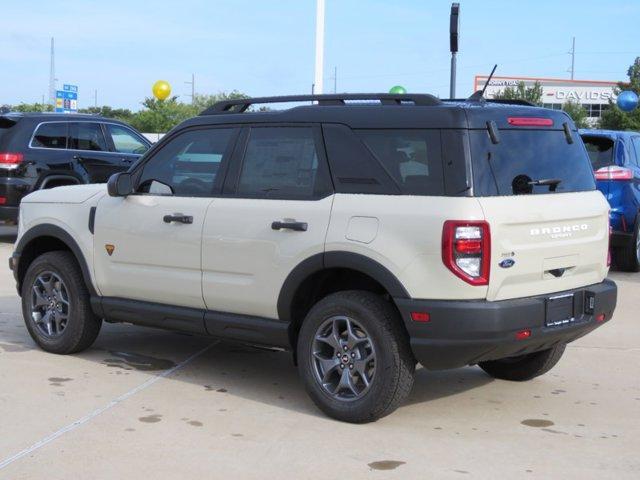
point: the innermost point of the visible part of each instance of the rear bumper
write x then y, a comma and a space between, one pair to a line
12, 189
621, 239
466, 332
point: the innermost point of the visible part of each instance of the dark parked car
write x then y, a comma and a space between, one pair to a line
46, 150
615, 157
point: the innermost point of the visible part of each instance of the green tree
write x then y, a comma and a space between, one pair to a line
521, 92
203, 101
123, 114
160, 116
577, 112
32, 107
615, 119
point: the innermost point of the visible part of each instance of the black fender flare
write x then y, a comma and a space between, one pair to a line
50, 230
336, 259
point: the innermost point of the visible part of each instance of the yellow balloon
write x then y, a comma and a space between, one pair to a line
161, 89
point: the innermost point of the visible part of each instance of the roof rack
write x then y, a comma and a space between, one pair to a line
241, 105
502, 101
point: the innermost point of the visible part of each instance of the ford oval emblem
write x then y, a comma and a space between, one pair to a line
507, 263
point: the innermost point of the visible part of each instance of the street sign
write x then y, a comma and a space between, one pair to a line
67, 99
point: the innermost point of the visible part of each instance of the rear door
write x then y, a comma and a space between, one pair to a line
274, 213
538, 194
88, 147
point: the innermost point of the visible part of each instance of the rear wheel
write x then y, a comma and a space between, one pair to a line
628, 258
524, 367
354, 358
56, 306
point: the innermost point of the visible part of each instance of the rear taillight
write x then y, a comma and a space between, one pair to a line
466, 250
9, 160
614, 172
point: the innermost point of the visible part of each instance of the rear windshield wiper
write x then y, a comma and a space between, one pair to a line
551, 182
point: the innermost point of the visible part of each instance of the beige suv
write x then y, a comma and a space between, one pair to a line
365, 233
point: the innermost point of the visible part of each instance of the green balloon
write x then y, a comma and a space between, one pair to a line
398, 89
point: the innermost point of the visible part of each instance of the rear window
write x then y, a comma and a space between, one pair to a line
411, 157
525, 158
5, 125
600, 150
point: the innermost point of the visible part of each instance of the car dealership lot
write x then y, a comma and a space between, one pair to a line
164, 405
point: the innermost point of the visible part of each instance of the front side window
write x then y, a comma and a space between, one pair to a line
279, 162
411, 157
86, 136
188, 163
50, 135
125, 141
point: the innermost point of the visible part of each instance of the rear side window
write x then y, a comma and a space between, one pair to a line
279, 162
600, 150
86, 136
636, 147
528, 161
50, 135
411, 157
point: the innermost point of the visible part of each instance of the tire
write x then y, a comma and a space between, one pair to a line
628, 258
390, 372
59, 270
524, 367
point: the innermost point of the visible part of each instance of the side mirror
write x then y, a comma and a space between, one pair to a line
120, 185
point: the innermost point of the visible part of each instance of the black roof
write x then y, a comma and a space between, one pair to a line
52, 115
377, 111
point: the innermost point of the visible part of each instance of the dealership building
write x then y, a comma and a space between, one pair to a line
593, 95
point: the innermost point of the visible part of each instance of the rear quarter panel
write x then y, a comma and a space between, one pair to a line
404, 234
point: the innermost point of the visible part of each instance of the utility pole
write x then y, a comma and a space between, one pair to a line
319, 47
335, 79
52, 76
454, 27
573, 57
95, 98
193, 87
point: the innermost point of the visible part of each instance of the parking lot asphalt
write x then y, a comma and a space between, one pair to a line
144, 403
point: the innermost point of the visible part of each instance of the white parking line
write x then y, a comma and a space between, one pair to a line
72, 426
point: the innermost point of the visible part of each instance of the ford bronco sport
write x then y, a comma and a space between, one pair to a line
365, 233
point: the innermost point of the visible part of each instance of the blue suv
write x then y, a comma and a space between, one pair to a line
615, 157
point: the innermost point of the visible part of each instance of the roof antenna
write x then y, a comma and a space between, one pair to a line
478, 96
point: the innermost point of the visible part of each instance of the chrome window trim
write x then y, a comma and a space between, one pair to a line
31, 147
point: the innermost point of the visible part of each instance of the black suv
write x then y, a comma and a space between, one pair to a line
46, 150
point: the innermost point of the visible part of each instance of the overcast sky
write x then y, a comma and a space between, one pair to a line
260, 47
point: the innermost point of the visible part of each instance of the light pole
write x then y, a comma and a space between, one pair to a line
454, 27
317, 84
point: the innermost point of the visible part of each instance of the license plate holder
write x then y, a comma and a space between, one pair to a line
559, 310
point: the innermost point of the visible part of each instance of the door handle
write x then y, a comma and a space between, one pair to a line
297, 226
178, 218
127, 160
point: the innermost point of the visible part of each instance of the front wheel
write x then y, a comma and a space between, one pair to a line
354, 357
524, 367
56, 306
